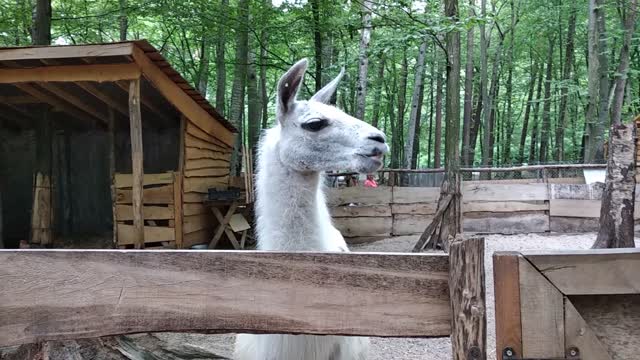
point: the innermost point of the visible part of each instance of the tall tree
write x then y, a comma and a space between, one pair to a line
564, 90
629, 22
221, 72
415, 101
527, 112
202, 79
536, 111
546, 111
402, 94
437, 142
236, 110
42, 23
508, 120
468, 92
254, 105
123, 19
484, 82
363, 63
415, 159
317, 42
377, 97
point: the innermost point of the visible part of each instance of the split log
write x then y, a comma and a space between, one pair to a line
135, 123
616, 212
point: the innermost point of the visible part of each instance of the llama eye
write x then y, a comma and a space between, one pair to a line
315, 125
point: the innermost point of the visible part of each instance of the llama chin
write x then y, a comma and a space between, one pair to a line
310, 137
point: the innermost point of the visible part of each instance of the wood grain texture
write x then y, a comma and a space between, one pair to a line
205, 163
202, 184
581, 208
414, 209
193, 197
68, 73
197, 222
156, 195
127, 234
195, 142
410, 195
410, 224
503, 206
67, 52
196, 153
614, 319
207, 172
137, 176
358, 195
468, 299
126, 180
125, 212
359, 211
195, 131
91, 293
590, 272
178, 207
506, 223
576, 191
579, 334
542, 314
573, 224
200, 237
506, 280
504, 192
363, 226
194, 209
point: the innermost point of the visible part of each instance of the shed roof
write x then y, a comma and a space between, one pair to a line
101, 62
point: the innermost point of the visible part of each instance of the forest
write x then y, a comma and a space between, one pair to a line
538, 81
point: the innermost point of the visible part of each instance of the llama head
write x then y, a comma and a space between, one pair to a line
316, 136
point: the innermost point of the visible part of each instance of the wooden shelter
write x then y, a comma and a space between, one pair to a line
107, 138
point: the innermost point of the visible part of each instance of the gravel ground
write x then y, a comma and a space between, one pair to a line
440, 349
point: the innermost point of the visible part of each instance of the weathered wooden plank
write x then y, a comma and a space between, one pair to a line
194, 164
468, 299
504, 192
127, 234
207, 172
503, 206
409, 195
542, 314
178, 208
200, 237
359, 195
581, 208
573, 225
202, 184
579, 334
360, 211
92, 293
506, 280
363, 226
66, 52
195, 142
157, 195
576, 191
193, 197
404, 224
195, 131
96, 72
194, 223
137, 176
125, 212
414, 209
506, 223
590, 272
183, 102
195, 153
195, 209
126, 180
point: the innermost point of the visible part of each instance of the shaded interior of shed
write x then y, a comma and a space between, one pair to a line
76, 116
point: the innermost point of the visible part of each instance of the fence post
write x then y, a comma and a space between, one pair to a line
467, 292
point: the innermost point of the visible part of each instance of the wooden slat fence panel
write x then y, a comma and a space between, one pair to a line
67, 294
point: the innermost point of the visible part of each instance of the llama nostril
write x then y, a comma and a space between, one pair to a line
377, 137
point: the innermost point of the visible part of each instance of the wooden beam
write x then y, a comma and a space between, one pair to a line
148, 104
466, 289
135, 124
112, 172
69, 294
76, 101
68, 73
54, 101
106, 99
590, 272
578, 333
506, 280
183, 102
66, 52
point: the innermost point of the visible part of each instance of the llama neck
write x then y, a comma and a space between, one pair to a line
290, 208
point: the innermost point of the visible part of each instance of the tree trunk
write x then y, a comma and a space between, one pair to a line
508, 120
377, 97
416, 140
475, 127
564, 91
430, 136
402, 92
363, 64
123, 20
490, 111
221, 72
317, 42
203, 69
536, 112
623, 67
468, 92
437, 143
415, 100
616, 212
42, 23
546, 111
527, 113
598, 83
264, 98
254, 104
239, 82
484, 81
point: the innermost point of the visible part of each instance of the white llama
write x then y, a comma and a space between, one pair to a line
310, 137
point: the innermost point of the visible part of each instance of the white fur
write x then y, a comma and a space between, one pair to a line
291, 211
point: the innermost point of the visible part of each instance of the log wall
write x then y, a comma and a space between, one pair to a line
365, 213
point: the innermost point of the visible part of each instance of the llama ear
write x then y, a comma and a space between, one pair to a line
289, 85
325, 94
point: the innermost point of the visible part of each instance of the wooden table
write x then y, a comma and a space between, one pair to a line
224, 226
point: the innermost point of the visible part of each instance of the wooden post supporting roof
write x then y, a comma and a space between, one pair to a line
135, 123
